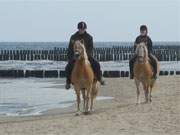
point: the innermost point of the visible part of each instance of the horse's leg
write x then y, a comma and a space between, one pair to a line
150, 96
146, 92
84, 98
137, 91
87, 99
92, 98
78, 101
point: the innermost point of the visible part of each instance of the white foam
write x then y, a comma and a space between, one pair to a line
104, 98
60, 65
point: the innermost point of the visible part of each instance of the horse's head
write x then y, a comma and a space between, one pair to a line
79, 50
142, 52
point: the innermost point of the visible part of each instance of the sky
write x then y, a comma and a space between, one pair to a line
107, 20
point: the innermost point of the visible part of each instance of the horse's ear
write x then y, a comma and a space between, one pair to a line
82, 41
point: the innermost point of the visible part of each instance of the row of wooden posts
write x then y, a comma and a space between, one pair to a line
116, 53
61, 74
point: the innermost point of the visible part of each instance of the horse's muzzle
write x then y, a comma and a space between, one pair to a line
76, 55
140, 58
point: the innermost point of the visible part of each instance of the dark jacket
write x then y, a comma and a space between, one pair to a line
145, 39
88, 42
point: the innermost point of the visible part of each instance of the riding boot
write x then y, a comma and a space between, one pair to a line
154, 76
68, 84
154, 65
154, 73
68, 70
131, 72
131, 75
131, 69
102, 82
131, 65
97, 70
100, 78
68, 80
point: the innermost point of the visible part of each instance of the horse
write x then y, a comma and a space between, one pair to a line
143, 72
83, 78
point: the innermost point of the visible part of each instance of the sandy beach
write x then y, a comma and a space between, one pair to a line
118, 116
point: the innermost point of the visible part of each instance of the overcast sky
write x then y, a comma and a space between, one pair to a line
107, 20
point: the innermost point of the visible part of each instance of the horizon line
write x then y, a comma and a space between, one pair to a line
93, 41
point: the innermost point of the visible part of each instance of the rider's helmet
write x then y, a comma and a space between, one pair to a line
82, 25
143, 28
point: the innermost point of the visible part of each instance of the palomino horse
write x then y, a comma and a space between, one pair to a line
143, 72
83, 78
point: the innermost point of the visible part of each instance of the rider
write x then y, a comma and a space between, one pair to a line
143, 37
88, 42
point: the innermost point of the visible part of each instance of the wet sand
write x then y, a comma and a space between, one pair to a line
119, 116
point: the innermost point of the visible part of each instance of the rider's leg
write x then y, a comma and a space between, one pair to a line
154, 64
68, 70
131, 65
96, 69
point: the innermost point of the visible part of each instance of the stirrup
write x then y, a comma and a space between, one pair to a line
102, 82
68, 86
154, 77
131, 76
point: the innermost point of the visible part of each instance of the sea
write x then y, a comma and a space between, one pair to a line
52, 45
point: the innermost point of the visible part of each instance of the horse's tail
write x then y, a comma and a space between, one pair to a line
95, 89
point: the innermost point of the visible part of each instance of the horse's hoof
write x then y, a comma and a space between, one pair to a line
86, 113
145, 102
138, 102
92, 110
77, 113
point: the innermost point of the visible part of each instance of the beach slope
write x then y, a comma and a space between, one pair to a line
119, 116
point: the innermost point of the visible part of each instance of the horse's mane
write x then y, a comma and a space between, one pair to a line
145, 49
81, 43
84, 51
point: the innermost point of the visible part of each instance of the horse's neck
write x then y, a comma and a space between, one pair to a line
81, 67
145, 61
82, 62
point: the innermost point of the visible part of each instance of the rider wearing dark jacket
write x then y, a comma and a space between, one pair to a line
146, 39
143, 37
81, 34
88, 42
